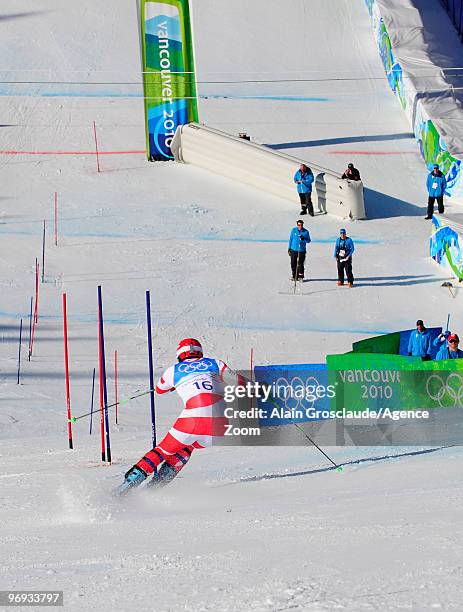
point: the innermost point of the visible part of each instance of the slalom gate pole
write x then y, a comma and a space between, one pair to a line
66, 367
19, 352
96, 148
448, 321
56, 218
43, 252
100, 379
105, 394
30, 329
115, 381
36, 307
150, 366
338, 467
91, 405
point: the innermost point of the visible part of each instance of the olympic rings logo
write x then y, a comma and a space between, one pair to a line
451, 390
298, 395
196, 366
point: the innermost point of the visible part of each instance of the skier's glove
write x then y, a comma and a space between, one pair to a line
289, 252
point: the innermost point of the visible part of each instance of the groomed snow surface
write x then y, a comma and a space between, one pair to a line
382, 535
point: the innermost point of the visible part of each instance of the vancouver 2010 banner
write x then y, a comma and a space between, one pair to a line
169, 81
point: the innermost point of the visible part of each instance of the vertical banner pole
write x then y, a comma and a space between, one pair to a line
103, 366
251, 371
30, 329
115, 381
36, 313
66, 367
91, 405
100, 378
43, 252
164, 114
150, 365
19, 353
56, 218
96, 148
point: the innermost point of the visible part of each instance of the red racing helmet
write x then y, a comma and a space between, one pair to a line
189, 348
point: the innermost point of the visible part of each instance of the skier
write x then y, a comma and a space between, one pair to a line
419, 344
298, 239
304, 179
200, 383
343, 250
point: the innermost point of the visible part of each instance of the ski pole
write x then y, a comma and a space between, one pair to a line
338, 467
448, 321
120, 402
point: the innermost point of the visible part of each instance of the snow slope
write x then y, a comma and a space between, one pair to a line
381, 535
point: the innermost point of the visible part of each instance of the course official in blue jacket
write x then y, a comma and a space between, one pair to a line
304, 179
299, 238
450, 350
343, 250
420, 342
436, 185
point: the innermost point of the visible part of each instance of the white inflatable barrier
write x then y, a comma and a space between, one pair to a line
265, 169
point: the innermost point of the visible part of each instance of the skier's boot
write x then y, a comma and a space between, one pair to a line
134, 477
165, 475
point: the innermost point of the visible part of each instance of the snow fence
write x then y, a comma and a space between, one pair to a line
265, 169
435, 113
446, 243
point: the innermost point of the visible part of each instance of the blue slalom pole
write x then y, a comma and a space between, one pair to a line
103, 373
448, 321
19, 353
150, 363
91, 406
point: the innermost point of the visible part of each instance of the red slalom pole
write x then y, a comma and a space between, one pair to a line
96, 148
66, 367
100, 374
115, 381
56, 219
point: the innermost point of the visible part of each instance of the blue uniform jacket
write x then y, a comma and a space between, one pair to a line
307, 179
298, 240
419, 344
347, 245
436, 184
446, 353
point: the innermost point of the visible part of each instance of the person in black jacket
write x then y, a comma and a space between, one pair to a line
351, 173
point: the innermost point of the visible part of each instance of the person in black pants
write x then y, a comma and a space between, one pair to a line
297, 247
343, 251
436, 185
304, 178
